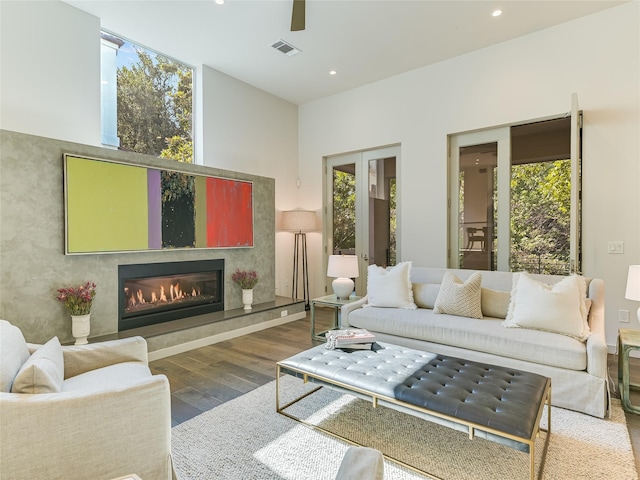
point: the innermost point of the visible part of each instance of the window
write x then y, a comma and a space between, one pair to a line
146, 101
517, 191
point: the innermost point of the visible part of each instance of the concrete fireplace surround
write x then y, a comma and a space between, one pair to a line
33, 265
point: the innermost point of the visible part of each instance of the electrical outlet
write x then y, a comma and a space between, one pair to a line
284, 313
623, 316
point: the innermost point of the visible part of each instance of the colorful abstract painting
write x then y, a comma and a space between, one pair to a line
111, 207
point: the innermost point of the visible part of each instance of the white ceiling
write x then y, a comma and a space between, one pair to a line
363, 40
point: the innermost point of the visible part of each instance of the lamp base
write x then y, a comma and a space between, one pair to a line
342, 287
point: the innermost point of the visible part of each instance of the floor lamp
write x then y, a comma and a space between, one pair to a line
299, 222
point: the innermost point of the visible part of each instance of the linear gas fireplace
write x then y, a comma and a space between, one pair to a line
151, 293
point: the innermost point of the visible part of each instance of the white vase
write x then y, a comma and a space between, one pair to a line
247, 298
80, 328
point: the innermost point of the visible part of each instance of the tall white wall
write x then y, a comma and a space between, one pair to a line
50, 87
50, 79
527, 78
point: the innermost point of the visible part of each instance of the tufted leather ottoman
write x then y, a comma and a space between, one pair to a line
488, 401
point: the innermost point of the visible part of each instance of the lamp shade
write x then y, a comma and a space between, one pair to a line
342, 266
298, 220
633, 283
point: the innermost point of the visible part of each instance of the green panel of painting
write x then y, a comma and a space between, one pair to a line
106, 206
201, 211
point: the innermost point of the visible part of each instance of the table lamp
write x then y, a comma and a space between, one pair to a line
343, 268
633, 286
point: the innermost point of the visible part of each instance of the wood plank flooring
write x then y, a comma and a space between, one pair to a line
204, 378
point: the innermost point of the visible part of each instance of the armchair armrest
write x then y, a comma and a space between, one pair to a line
84, 358
114, 432
345, 310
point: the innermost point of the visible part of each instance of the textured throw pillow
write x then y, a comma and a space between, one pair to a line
390, 287
425, 294
43, 372
558, 308
457, 298
495, 303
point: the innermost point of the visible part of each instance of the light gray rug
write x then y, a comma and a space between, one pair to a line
246, 439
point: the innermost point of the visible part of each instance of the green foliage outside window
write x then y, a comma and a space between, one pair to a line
540, 220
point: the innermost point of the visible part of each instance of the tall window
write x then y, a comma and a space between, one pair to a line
147, 101
517, 189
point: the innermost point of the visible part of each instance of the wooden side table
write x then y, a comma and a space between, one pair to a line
328, 301
627, 340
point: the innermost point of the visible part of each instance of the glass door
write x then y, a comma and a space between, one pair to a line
361, 209
479, 200
515, 197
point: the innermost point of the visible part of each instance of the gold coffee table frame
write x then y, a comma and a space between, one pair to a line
394, 403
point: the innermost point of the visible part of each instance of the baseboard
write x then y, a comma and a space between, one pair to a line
221, 337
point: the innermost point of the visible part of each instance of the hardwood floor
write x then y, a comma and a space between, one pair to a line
204, 378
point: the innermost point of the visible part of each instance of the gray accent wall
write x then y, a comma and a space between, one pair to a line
32, 260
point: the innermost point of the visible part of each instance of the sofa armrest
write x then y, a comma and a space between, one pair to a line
103, 434
596, 343
84, 358
345, 310
597, 352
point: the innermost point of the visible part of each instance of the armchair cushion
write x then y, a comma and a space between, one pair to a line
113, 377
15, 352
43, 372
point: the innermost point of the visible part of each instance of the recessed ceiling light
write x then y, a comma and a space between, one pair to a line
497, 13
332, 72
220, 2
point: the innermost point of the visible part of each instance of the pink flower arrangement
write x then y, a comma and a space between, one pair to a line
78, 300
246, 280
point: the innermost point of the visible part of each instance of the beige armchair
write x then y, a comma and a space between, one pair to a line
92, 411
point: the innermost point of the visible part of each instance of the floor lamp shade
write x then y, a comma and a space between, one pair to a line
343, 268
299, 222
633, 285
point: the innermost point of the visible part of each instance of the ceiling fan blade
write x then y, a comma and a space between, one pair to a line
298, 15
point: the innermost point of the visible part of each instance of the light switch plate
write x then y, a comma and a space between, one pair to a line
615, 246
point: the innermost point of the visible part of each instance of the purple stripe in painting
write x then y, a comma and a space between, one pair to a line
154, 190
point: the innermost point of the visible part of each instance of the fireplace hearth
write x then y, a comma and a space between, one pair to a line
152, 293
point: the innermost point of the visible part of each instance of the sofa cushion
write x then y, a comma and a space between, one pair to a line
43, 372
458, 298
495, 303
390, 287
485, 335
558, 308
425, 294
13, 353
115, 376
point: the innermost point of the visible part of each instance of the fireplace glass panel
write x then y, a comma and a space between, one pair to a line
160, 292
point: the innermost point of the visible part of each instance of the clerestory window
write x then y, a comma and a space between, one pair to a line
147, 100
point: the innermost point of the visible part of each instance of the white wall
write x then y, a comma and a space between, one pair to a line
50, 87
527, 78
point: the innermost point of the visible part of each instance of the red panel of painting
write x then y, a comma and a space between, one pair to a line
229, 213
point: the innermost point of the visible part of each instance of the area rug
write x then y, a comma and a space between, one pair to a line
246, 439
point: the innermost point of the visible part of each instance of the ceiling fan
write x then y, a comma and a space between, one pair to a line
298, 15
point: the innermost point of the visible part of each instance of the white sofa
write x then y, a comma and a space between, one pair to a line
92, 411
578, 370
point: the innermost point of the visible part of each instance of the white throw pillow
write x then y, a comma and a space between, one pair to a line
390, 287
43, 372
558, 308
457, 298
